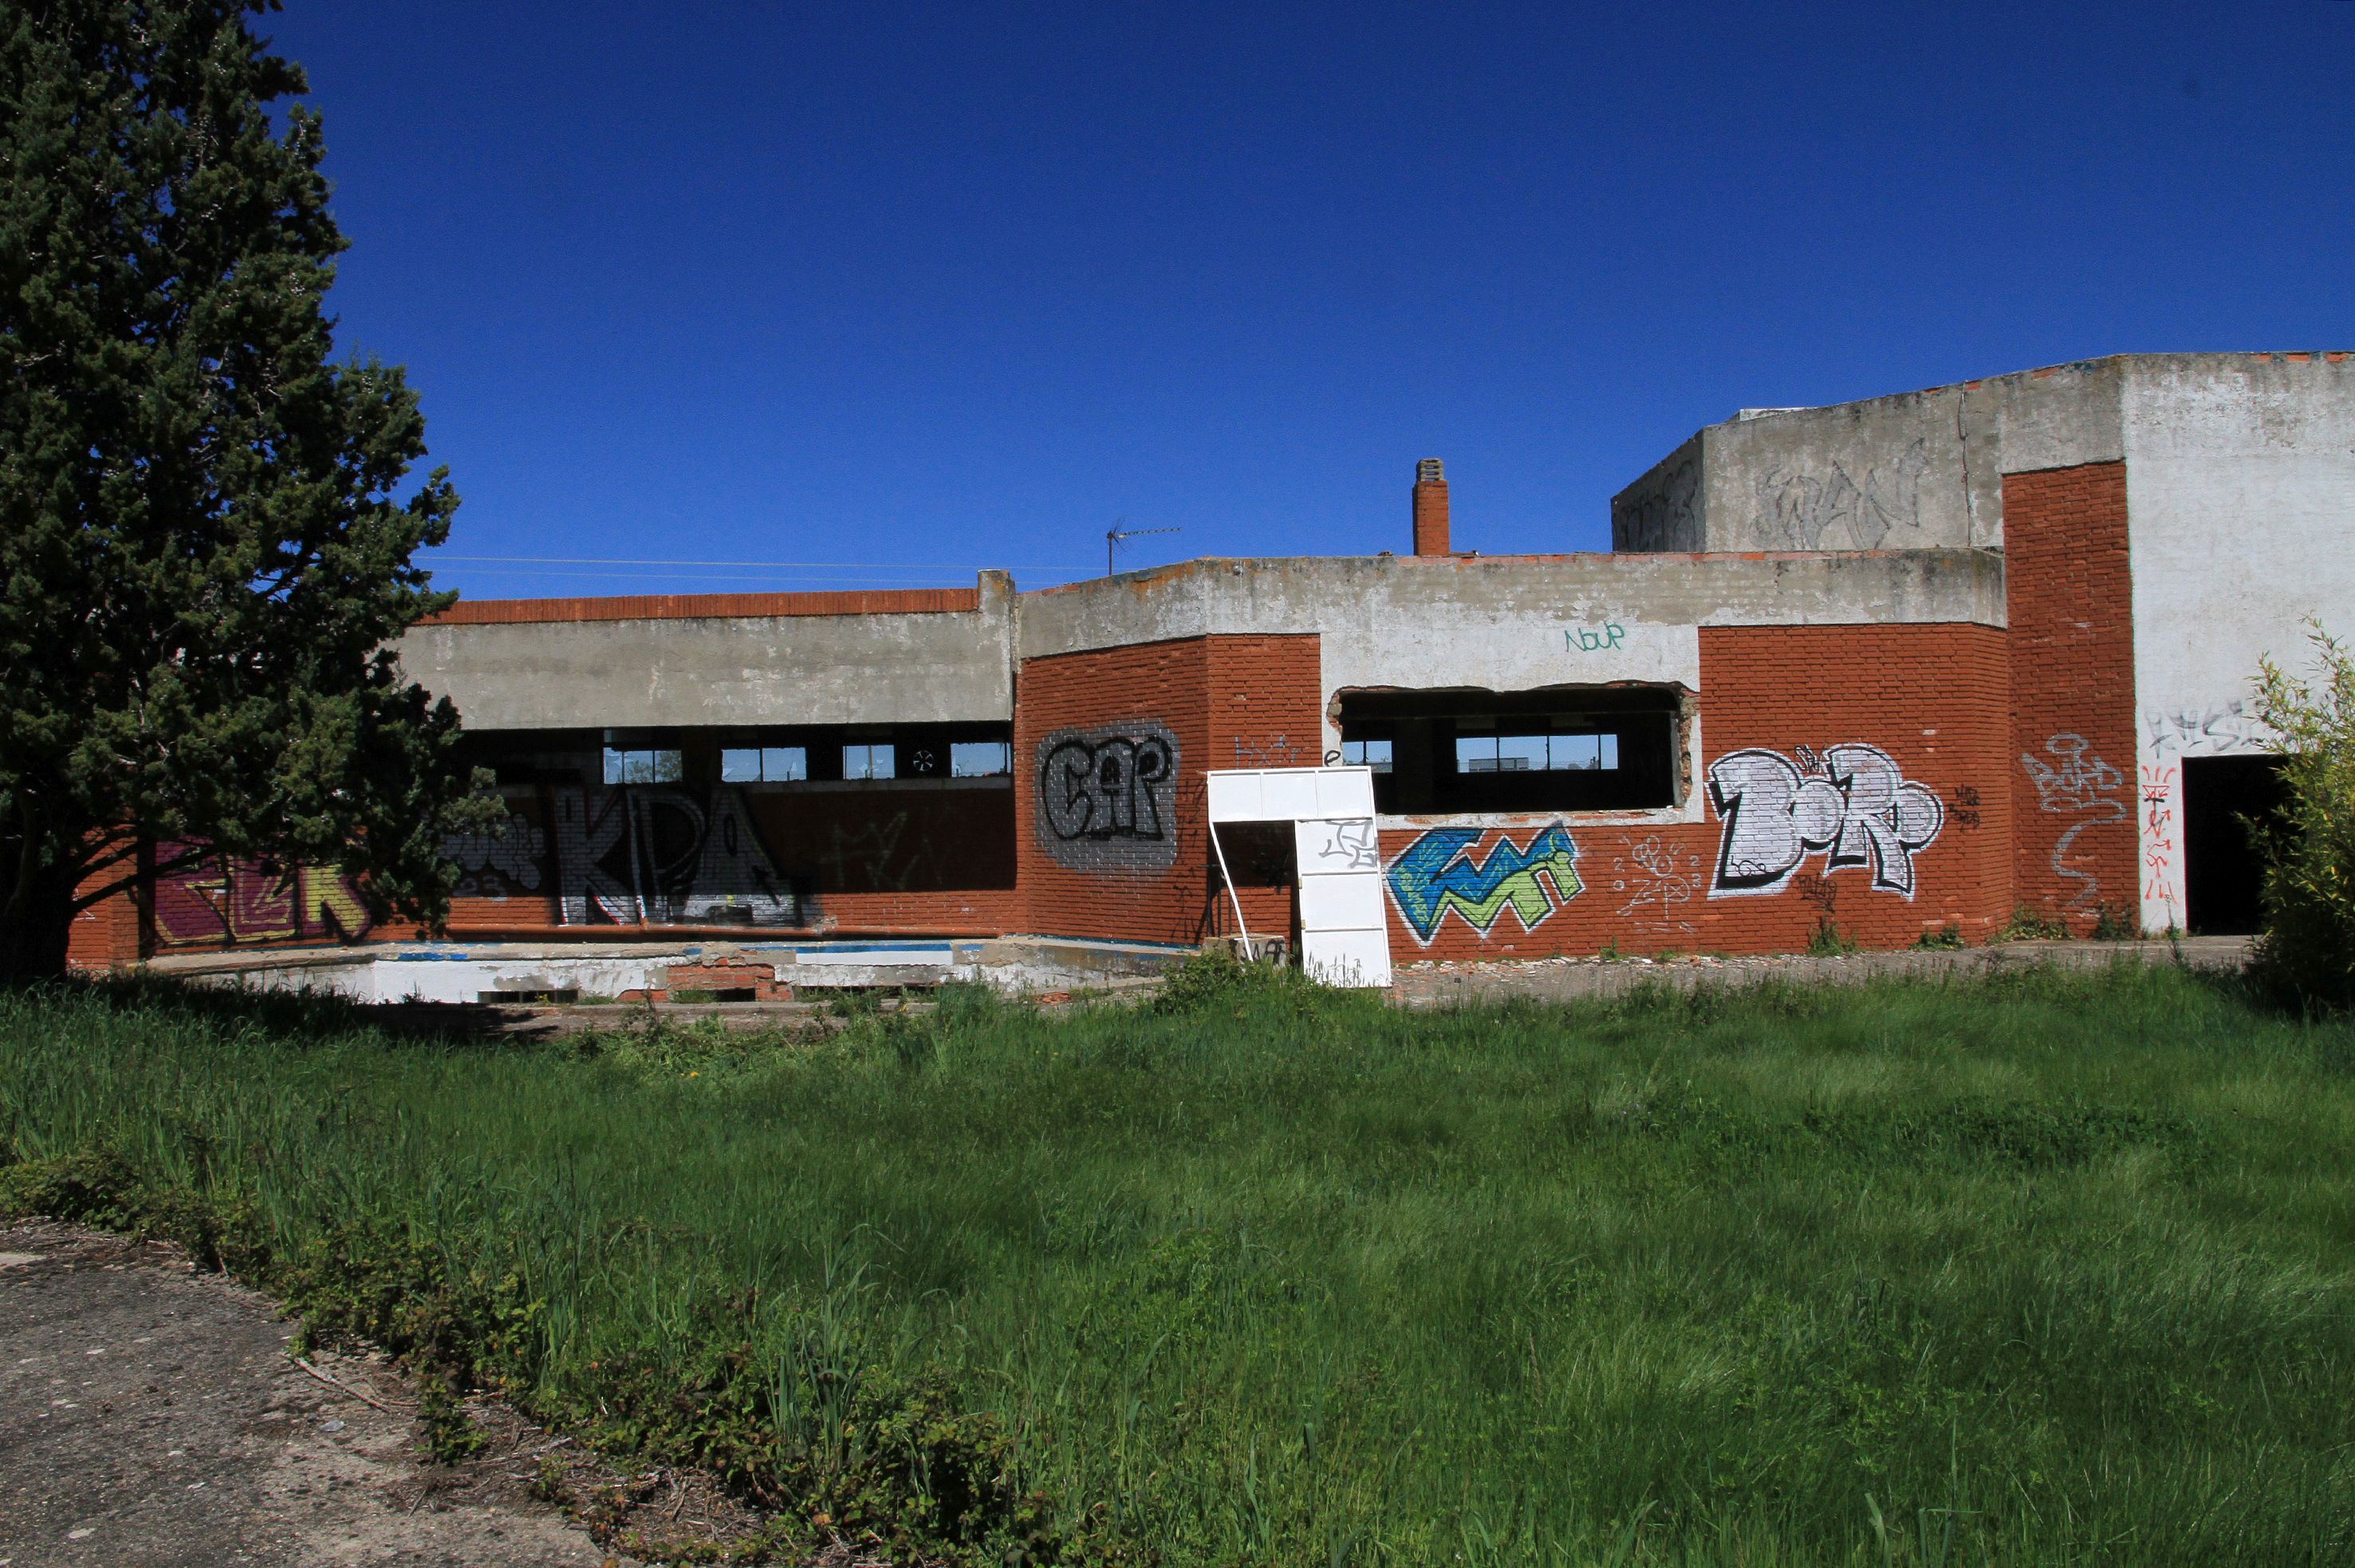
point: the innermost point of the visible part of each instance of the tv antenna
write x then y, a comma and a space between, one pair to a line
1115, 534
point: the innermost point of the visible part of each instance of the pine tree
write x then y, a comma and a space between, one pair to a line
203, 552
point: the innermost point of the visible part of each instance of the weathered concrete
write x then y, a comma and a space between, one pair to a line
894, 668
1912, 471
1511, 622
465, 973
2240, 525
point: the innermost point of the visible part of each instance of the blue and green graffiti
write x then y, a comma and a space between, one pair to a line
1436, 873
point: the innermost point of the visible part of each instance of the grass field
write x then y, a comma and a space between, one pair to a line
2042, 1270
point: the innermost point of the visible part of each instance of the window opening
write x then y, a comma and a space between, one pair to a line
1553, 749
763, 764
980, 759
655, 765
869, 760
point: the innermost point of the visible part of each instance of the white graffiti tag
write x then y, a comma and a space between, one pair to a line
2074, 781
1853, 802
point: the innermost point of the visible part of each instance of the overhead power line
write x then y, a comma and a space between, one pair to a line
710, 577
760, 565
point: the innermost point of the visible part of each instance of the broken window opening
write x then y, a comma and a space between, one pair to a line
1555, 749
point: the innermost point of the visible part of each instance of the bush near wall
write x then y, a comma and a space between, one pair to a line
2308, 950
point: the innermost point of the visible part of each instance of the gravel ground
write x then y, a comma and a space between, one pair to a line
1431, 984
150, 1414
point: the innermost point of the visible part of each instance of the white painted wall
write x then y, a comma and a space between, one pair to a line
2240, 515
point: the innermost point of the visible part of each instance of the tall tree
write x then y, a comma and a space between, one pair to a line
204, 554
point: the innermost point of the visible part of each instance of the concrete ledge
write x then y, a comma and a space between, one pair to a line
1568, 979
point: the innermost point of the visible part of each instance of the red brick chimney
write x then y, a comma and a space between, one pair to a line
1430, 508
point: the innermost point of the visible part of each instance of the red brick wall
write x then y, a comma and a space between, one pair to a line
1225, 702
2070, 606
107, 934
1933, 698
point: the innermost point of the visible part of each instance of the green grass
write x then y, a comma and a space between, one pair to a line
2043, 1269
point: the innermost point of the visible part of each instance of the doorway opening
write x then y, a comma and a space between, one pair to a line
2221, 868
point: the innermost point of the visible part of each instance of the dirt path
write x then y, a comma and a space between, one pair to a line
150, 1416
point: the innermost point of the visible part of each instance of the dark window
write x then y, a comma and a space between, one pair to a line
1573, 748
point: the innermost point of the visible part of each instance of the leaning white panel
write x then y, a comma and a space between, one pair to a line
1344, 924
1352, 958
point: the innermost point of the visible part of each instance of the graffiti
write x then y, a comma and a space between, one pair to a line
240, 901
862, 857
1279, 753
659, 855
1797, 511
2075, 781
2158, 835
2225, 728
1965, 812
1816, 891
2220, 730
1107, 797
1436, 874
1851, 804
1657, 878
1581, 641
1347, 845
499, 861
1662, 514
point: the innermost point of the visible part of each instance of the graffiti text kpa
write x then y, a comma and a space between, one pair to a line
1581, 641
1437, 873
1852, 802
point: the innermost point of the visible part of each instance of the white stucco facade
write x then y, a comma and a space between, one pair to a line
2241, 526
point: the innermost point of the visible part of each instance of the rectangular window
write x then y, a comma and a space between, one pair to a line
1521, 753
1535, 753
1560, 749
657, 766
1374, 754
763, 764
1573, 752
980, 759
867, 759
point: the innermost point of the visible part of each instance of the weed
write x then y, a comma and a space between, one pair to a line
2030, 924
551, 1481
1946, 938
2113, 923
1829, 940
450, 1437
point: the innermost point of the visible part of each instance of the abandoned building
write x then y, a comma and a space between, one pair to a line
1893, 667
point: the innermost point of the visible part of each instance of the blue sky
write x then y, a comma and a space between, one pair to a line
901, 291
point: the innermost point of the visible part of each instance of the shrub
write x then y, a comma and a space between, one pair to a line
2308, 949
2029, 925
2114, 923
1214, 977
1828, 941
